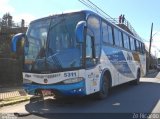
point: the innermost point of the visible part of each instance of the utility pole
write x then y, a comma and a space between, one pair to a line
150, 44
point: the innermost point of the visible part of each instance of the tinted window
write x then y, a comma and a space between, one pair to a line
120, 38
137, 46
89, 47
143, 48
94, 25
52, 44
117, 37
132, 41
126, 41
110, 34
107, 33
140, 46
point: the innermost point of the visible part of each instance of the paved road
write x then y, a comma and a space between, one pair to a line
126, 98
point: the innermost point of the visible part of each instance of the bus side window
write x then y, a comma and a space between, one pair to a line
90, 51
110, 33
117, 37
132, 43
143, 48
126, 41
120, 38
89, 48
137, 46
94, 25
107, 33
140, 47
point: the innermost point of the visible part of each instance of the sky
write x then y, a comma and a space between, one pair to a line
140, 13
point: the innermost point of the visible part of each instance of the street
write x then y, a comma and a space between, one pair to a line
126, 98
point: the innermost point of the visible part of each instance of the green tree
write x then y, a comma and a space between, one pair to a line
7, 20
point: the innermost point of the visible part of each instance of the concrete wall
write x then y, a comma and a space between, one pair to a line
10, 72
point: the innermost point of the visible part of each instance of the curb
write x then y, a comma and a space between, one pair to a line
158, 76
15, 100
156, 108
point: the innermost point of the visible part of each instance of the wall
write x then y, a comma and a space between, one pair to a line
10, 72
10, 69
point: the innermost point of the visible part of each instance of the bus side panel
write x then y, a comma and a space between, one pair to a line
93, 75
130, 68
107, 65
121, 63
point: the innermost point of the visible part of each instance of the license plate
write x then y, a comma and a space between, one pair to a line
46, 92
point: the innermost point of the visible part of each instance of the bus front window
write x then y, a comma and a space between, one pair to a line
52, 44
36, 38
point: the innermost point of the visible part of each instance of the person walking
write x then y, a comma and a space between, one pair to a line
123, 19
120, 19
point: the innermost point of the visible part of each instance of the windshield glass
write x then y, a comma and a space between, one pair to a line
51, 44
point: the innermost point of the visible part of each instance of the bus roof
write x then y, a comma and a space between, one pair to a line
88, 12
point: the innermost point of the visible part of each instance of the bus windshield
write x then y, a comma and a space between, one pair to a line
51, 44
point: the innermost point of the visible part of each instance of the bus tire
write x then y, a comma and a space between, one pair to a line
104, 88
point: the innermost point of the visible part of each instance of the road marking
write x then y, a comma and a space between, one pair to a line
116, 104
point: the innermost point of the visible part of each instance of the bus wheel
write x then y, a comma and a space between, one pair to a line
103, 93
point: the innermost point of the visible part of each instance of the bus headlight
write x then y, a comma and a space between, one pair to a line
73, 80
26, 81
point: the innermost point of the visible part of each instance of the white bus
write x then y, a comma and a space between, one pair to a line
79, 53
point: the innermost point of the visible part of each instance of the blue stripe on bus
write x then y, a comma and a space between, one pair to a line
118, 60
66, 89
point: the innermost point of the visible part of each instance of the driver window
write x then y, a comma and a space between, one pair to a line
89, 51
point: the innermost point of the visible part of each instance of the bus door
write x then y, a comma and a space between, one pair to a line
92, 67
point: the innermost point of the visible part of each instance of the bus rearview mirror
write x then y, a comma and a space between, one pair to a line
80, 31
16, 38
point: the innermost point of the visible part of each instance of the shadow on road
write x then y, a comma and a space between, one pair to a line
125, 98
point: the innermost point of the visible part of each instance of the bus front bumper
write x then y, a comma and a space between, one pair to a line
75, 89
